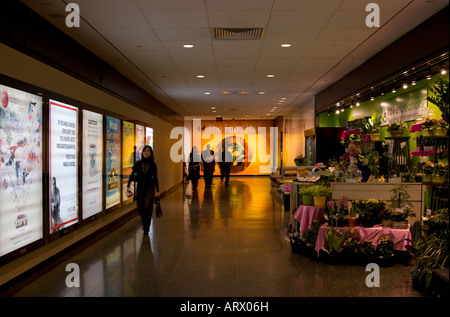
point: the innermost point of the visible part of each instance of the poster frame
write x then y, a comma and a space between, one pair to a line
30, 247
51, 236
118, 205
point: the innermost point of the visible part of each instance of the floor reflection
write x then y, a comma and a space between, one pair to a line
223, 241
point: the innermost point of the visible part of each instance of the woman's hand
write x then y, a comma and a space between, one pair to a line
157, 194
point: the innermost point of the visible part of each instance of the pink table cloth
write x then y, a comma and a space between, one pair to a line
373, 234
305, 215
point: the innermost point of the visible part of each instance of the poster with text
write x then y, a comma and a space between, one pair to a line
149, 136
92, 163
21, 205
63, 165
140, 141
113, 168
127, 161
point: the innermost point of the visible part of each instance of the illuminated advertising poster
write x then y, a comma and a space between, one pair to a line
63, 165
113, 167
140, 141
149, 136
245, 143
20, 169
127, 160
92, 163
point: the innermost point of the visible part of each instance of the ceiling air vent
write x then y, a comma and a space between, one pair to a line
238, 33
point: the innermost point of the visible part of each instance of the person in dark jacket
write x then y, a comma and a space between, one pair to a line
145, 174
194, 167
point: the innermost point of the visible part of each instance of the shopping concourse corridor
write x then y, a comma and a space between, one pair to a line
228, 241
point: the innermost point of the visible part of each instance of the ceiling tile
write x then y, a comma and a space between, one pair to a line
177, 19
299, 18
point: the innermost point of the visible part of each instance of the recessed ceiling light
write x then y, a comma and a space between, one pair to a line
270, 76
214, 111
188, 46
213, 108
261, 92
200, 76
286, 45
207, 93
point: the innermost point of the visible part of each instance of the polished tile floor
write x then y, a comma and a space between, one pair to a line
228, 241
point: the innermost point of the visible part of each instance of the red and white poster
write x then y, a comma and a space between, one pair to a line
63, 165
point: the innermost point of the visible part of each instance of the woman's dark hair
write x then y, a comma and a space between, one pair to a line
152, 157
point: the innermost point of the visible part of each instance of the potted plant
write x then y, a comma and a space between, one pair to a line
440, 173
441, 128
335, 240
320, 194
400, 217
385, 252
437, 220
396, 129
352, 217
311, 238
307, 195
375, 122
430, 252
386, 217
440, 97
335, 213
352, 251
300, 160
368, 251
428, 170
427, 126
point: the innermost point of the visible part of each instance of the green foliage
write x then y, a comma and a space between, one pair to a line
306, 190
440, 97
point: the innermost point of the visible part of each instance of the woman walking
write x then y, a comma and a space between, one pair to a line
146, 176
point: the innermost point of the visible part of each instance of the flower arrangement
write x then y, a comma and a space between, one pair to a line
370, 206
299, 160
371, 125
350, 135
441, 168
429, 123
437, 220
385, 249
428, 168
336, 212
441, 124
397, 126
386, 214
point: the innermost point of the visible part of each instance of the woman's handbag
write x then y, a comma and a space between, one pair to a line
158, 208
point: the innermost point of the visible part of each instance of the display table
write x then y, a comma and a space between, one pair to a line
373, 234
305, 215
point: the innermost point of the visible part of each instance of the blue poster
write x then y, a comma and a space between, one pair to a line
113, 156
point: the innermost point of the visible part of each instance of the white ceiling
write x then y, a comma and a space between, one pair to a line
143, 39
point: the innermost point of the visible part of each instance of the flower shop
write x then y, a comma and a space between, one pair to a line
397, 215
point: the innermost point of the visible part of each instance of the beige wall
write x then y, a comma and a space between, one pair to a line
22, 67
295, 124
